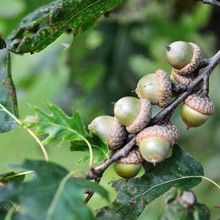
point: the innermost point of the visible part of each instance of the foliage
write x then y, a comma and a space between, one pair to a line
46, 24
123, 45
64, 193
183, 205
59, 127
7, 91
181, 170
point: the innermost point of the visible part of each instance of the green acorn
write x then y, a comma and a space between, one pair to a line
156, 87
133, 113
183, 56
196, 109
156, 141
109, 130
129, 166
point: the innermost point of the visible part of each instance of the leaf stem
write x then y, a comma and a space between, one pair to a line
90, 154
29, 131
211, 181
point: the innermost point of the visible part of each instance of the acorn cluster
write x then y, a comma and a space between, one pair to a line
132, 115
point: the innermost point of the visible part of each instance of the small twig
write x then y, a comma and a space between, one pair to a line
96, 173
211, 2
205, 86
90, 194
178, 88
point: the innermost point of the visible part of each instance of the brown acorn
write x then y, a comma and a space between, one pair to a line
109, 130
196, 109
156, 87
133, 113
156, 141
130, 165
183, 56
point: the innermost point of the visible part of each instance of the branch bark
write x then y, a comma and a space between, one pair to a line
211, 2
96, 173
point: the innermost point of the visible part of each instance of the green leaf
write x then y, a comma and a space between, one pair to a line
43, 26
183, 205
8, 178
4, 208
11, 177
7, 93
177, 171
57, 126
100, 149
53, 193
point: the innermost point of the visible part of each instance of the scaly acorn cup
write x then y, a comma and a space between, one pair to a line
129, 166
109, 130
156, 141
183, 56
196, 109
133, 113
156, 87
172, 131
180, 79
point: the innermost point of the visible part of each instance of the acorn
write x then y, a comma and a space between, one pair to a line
181, 79
183, 56
196, 109
130, 165
156, 87
156, 141
133, 113
109, 130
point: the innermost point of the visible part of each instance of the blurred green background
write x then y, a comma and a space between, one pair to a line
103, 65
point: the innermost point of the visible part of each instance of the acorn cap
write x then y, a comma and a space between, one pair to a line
142, 119
180, 79
109, 130
188, 56
201, 103
132, 112
156, 131
173, 131
117, 136
133, 157
164, 88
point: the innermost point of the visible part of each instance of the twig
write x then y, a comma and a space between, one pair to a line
205, 86
213, 62
211, 2
96, 173
91, 193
